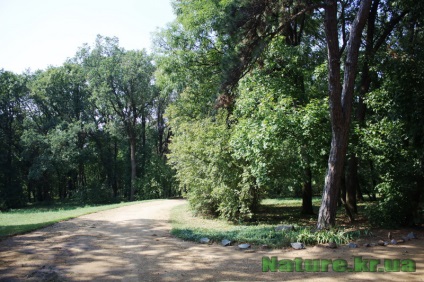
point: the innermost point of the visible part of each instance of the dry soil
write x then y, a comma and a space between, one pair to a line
133, 243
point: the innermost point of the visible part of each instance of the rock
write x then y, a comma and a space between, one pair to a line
284, 228
367, 245
265, 247
393, 242
381, 243
405, 238
297, 246
332, 245
400, 241
373, 244
412, 236
226, 242
204, 240
352, 245
244, 246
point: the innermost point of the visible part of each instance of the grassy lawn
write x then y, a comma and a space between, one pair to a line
260, 230
27, 219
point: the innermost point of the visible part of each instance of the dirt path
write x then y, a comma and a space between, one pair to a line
133, 244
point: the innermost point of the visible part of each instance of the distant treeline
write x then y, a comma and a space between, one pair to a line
91, 130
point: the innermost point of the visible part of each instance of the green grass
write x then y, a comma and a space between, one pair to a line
261, 230
20, 221
286, 210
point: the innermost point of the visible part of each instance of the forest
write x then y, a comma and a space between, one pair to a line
240, 100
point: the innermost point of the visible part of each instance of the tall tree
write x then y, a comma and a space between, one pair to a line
383, 19
56, 131
246, 29
122, 83
13, 93
341, 100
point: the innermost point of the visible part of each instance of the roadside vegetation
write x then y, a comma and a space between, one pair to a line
262, 229
18, 221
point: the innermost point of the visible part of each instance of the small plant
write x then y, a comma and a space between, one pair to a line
190, 228
308, 236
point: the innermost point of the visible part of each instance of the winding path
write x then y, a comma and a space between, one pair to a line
133, 243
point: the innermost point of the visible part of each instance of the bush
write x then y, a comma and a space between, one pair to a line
393, 208
207, 172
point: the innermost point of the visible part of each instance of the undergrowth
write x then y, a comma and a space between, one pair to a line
188, 227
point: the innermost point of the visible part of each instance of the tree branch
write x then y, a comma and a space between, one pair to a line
389, 28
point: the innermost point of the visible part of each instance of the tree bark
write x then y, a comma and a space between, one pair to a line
133, 167
307, 184
307, 207
340, 100
143, 143
352, 185
114, 173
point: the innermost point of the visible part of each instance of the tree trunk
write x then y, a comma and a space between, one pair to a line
340, 103
352, 173
143, 144
307, 184
133, 167
352, 184
342, 192
371, 46
327, 211
114, 173
307, 207
160, 128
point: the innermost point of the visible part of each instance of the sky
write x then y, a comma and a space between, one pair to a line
36, 34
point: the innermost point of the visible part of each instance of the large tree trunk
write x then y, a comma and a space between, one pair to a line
327, 211
340, 100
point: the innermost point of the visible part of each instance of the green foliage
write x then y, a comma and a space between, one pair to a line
392, 210
244, 88
393, 137
193, 229
158, 181
338, 236
259, 235
64, 131
268, 133
277, 138
205, 169
13, 93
